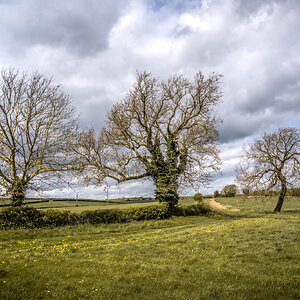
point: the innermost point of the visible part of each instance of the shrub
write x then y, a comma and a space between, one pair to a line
99, 216
198, 197
152, 212
216, 194
30, 217
295, 192
246, 191
193, 210
54, 217
14, 217
229, 190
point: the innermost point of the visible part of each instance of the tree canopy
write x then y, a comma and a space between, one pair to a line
37, 123
272, 162
163, 130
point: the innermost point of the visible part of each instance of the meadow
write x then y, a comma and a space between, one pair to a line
243, 252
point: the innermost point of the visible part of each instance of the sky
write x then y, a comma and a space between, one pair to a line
93, 49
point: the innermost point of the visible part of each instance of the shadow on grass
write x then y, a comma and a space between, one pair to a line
291, 211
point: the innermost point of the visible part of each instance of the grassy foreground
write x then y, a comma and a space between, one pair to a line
245, 254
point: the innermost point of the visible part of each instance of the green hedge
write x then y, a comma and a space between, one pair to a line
30, 217
193, 210
21, 217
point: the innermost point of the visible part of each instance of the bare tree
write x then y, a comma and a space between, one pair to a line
272, 162
36, 125
162, 130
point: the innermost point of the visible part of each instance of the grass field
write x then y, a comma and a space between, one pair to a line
87, 204
82, 204
246, 254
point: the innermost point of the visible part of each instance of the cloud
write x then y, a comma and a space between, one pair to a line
82, 27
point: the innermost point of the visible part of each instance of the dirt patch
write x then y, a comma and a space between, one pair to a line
216, 205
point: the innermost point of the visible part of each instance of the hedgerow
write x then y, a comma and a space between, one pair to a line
27, 217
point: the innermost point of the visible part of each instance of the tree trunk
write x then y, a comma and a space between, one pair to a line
166, 191
17, 194
280, 198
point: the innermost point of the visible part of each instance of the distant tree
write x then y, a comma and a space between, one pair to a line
246, 191
163, 130
36, 124
229, 190
216, 194
272, 162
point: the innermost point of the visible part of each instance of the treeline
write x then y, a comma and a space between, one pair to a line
231, 190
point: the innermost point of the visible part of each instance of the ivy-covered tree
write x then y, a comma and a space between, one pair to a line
163, 130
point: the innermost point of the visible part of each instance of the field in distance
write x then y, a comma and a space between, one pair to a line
90, 204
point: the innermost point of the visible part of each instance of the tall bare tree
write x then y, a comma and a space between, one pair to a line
272, 162
163, 130
36, 125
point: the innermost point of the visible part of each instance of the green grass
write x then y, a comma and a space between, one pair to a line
82, 204
244, 254
86, 204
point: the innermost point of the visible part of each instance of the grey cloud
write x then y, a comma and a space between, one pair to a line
247, 8
82, 27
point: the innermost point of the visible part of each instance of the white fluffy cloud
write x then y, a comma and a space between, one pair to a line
94, 48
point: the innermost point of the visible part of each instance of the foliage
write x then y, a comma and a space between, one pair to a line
106, 216
151, 212
164, 131
27, 217
246, 191
198, 197
31, 217
54, 217
229, 190
295, 192
216, 194
193, 210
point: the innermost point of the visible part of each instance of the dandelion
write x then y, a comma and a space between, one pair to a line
4, 281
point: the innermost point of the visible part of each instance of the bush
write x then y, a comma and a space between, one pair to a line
216, 194
30, 217
105, 216
27, 217
54, 217
14, 217
153, 212
295, 192
246, 191
193, 210
198, 197
229, 190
